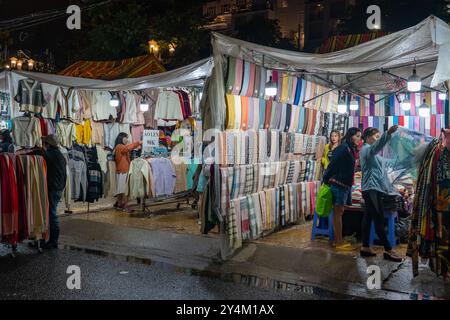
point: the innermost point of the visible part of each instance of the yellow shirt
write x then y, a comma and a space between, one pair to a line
83, 132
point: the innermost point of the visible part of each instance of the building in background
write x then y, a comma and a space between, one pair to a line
226, 16
322, 18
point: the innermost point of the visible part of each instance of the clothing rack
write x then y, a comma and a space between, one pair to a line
175, 198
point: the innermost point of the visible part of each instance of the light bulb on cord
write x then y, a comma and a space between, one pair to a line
144, 105
342, 105
354, 105
114, 102
442, 96
406, 104
414, 82
271, 88
424, 110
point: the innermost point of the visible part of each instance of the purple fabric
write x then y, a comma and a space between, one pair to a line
164, 176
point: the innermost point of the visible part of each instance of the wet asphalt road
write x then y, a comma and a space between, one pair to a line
43, 276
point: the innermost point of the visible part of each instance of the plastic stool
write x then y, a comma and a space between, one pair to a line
325, 227
391, 217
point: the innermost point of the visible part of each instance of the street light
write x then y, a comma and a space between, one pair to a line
171, 48
13, 62
19, 64
30, 64
153, 46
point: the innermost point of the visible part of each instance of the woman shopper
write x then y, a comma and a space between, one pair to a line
122, 152
339, 176
375, 185
335, 141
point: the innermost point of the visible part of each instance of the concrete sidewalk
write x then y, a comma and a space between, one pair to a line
315, 270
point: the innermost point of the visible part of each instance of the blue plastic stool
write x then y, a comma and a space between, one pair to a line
325, 227
391, 217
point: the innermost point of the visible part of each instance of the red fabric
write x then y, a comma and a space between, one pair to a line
401, 121
10, 204
44, 127
23, 222
183, 110
433, 125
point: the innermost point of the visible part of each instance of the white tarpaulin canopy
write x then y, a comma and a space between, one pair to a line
191, 75
395, 53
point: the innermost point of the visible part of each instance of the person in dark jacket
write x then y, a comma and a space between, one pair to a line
6, 143
56, 182
339, 175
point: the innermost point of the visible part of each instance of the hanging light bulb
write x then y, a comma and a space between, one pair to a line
424, 110
114, 102
271, 88
414, 82
442, 96
144, 105
406, 104
354, 104
342, 105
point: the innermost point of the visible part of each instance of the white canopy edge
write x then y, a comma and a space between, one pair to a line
396, 52
187, 76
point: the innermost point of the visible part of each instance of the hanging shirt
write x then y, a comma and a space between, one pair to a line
50, 97
164, 176
168, 106
130, 116
30, 96
101, 109
66, 132
26, 132
70, 104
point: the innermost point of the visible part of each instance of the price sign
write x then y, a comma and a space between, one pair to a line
151, 140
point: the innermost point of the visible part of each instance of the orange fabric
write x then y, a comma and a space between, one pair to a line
122, 156
244, 113
118, 69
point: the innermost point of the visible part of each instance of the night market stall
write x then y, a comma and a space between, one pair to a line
275, 108
87, 115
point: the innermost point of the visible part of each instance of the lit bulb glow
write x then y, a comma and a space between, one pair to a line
354, 105
424, 112
442, 96
143, 106
271, 91
114, 102
342, 108
406, 105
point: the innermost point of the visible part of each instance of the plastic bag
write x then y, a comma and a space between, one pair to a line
324, 201
404, 152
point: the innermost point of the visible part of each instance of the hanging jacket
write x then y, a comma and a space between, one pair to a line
342, 166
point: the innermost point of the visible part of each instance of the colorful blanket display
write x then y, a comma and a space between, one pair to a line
24, 206
269, 156
293, 109
374, 111
430, 226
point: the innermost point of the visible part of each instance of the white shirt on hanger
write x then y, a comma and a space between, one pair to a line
101, 110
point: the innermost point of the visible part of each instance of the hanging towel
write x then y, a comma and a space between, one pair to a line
231, 75
251, 82
244, 113
239, 76
257, 83
246, 79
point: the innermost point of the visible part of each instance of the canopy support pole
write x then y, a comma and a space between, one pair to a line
336, 87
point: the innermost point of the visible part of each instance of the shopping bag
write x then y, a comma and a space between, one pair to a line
324, 201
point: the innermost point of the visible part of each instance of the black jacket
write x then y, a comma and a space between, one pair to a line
342, 166
56, 169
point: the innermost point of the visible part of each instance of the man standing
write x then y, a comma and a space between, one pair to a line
56, 182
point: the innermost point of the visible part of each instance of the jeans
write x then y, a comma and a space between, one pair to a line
53, 198
374, 210
341, 195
